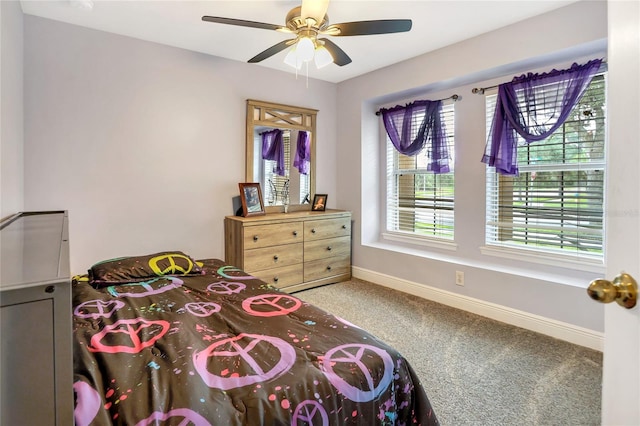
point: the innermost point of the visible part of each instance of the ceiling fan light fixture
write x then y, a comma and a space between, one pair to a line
292, 59
322, 57
305, 49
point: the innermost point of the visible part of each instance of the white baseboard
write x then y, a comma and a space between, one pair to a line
557, 329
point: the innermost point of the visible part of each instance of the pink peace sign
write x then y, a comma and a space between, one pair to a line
353, 355
224, 287
178, 416
128, 336
308, 411
271, 305
97, 308
202, 309
239, 351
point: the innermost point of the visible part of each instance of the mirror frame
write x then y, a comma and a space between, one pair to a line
280, 116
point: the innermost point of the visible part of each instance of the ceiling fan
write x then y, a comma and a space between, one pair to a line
309, 21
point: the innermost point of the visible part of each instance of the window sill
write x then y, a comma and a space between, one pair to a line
549, 259
420, 241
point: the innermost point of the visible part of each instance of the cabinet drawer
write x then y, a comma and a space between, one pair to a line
317, 269
331, 247
327, 228
281, 277
272, 235
272, 257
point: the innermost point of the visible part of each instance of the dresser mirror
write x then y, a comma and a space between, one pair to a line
281, 142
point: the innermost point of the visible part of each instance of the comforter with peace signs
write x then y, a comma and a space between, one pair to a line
224, 348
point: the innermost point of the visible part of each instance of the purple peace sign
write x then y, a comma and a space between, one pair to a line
353, 354
224, 287
88, 402
238, 351
202, 309
308, 411
179, 416
271, 305
97, 308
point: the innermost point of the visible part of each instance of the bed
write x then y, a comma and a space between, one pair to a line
164, 339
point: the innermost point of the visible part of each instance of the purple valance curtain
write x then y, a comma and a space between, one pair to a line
533, 106
410, 127
303, 155
273, 149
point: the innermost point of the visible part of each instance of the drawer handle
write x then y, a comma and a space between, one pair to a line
344, 226
275, 279
328, 268
313, 231
255, 238
295, 233
275, 257
50, 289
329, 248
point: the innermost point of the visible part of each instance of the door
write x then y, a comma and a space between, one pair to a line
621, 372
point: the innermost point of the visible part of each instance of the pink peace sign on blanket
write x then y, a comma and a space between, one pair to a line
97, 308
128, 336
310, 412
244, 353
224, 287
202, 309
178, 416
350, 358
271, 305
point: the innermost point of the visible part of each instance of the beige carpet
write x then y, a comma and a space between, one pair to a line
476, 371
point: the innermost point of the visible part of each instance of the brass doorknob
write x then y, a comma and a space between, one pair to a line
623, 289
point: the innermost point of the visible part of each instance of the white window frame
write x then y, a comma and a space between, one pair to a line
555, 257
391, 155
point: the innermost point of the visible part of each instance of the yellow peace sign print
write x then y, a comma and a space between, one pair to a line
171, 264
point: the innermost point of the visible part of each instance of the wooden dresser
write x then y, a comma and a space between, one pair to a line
292, 251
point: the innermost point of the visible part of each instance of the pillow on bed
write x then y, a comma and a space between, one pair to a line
142, 268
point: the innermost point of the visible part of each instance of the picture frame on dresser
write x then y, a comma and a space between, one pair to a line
319, 203
251, 198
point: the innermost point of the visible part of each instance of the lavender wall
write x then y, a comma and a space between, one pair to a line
545, 290
11, 109
144, 144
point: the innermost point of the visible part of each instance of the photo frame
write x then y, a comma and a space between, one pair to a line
319, 203
251, 198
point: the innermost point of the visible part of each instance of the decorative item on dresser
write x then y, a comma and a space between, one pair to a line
35, 320
292, 251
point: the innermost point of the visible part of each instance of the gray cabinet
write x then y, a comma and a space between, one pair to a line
36, 356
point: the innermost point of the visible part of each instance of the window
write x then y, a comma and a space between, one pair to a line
420, 202
277, 185
555, 205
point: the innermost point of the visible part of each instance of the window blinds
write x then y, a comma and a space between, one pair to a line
421, 202
556, 202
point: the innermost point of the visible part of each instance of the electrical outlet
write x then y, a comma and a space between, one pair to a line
459, 278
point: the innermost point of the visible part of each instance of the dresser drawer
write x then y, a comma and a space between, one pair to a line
272, 257
272, 235
317, 269
281, 277
331, 247
327, 228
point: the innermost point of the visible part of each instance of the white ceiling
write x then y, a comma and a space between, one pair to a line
178, 23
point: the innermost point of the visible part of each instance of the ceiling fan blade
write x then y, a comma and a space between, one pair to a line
243, 23
383, 26
339, 56
276, 48
316, 9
